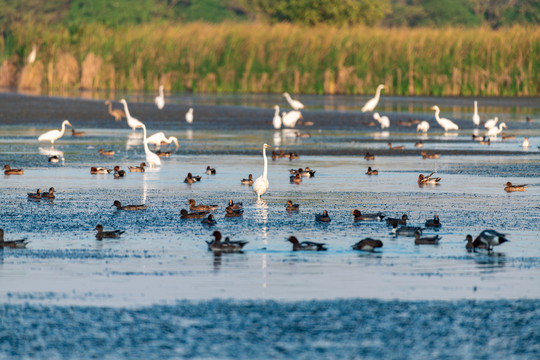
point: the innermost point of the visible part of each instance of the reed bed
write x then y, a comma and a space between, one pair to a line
263, 58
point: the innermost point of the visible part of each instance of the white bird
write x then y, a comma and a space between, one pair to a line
372, 103
526, 142
131, 121
423, 127
159, 138
383, 120
276, 121
189, 116
260, 185
476, 117
33, 53
295, 104
160, 99
491, 123
54, 135
494, 131
152, 159
289, 119
446, 124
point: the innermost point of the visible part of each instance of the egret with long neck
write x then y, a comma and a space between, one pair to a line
160, 99
372, 103
261, 183
151, 159
446, 124
276, 121
131, 121
476, 117
54, 135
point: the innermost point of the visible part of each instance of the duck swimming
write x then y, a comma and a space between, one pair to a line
489, 238
401, 147
210, 171
511, 188
394, 222
35, 196
107, 234
248, 181
77, 133
323, 217
291, 207
12, 243
470, 246
49, 194
99, 170
230, 212
427, 240
209, 220
139, 168
106, 152
435, 222
367, 244
192, 215
306, 245
118, 173
54, 159
358, 216
206, 208
9, 171
190, 179
424, 180
370, 171
295, 179
407, 230
369, 156
235, 206
307, 172
425, 155
128, 207
226, 246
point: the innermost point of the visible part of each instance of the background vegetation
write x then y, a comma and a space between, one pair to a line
338, 46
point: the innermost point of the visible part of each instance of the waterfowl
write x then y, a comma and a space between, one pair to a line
370, 171
491, 123
302, 135
510, 187
401, 147
189, 116
369, 156
248, 181
490, 238
139, 168
210, 171
295, 104
261, 184
369, 123
485, 142
128, 207
77, 133
395, 222
446, 124
152, 159
99, 170
190, 179
323, 217
118, 173
306, 245
470, 246
54, 135
425, 155
163, 153
478, 137
358, 216
494, 131
276, 120
291, 118
54, 159
423, 127
117, 113
435, 222
292, 156
372, 103
295, 179
35, 196
291, 207
231, 212
209, 220
408, 122
12, 243
423, 180
206, 208
106, 152
384, 121
367, 244
226, 246
407, 230
131, 121
476, 117
526, 142
235, 206
159, 139
9, 171
192, 215
426, 240
49, 194
505, 136
419, 144
160, 99
107, 234
307, 172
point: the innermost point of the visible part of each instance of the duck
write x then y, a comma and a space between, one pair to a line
490, 238
77, 133
190, 179
49, 194
358, 216
485, 141
128, 207
369, 156
470, 246
106, 152
292, 156
9, 171
435, 222
99, 170
367, 244
419, 144
226, 246
117, 113
119, 173
54, 159
248, 181
510, 187
295, 179
306, 245
209, 220
12, 243
210, 171
302, 135
401, 147
139, 168
395, 222
307, 172
407, 230
206, 208
192, 215
478, 137
160, 153
526, 142
423, 180
34, 196
323, 217
107, 234
505, 136
292, 207
425, 155
370, 171
426, 240
230, 212
235, 206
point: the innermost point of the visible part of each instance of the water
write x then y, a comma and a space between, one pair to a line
268, 301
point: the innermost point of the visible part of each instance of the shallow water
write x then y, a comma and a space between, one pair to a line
162, 259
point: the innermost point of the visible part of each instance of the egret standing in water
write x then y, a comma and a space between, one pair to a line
446, 124
260, 185
295, 104
276, 121
423, 127
476, 117
54, 135
131, 121
189, 116
291, 118
159, 138
383, 120
372, 103
160, 99
152, 159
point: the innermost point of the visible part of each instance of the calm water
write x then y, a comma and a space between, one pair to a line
268, 301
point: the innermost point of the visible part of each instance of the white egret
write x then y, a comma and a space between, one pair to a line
189, 116
383, 120
276, 121
131, 121
260, 185
295, 104
476, 117
446, 124
159, 138
491, 123
160, 99
54, 135
494, 131
152, 159
423, 127
372, 103
289, 119
33, 53
525, 143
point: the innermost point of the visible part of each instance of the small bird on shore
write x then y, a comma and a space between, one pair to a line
206, 208
323, 217
226, 246
306, 245
128, 207
370, 171
12, 243
292, 207
489, 238
107, 234
248, 181
424, 180
210, 171
509, 187
358, 216
9, 171
139, 168
426, 240
395, 222
209, 220
367, 244
184, 214
435, 222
